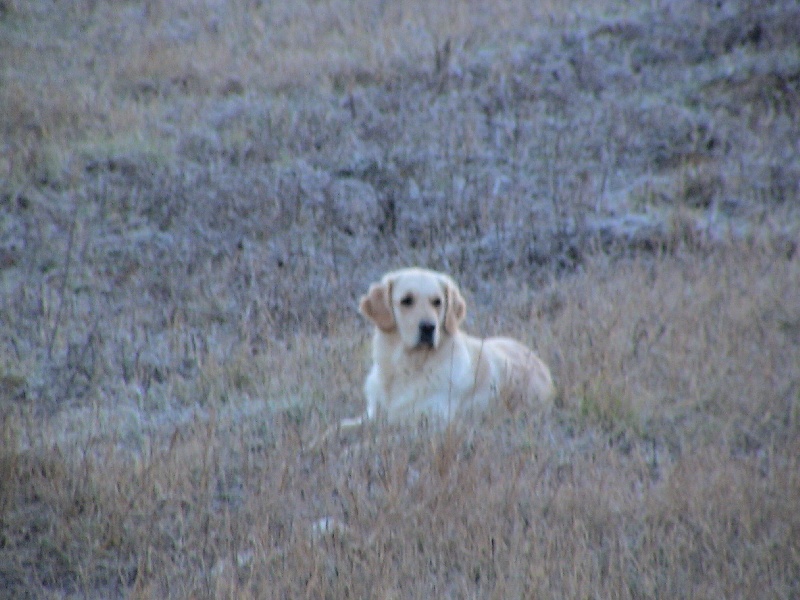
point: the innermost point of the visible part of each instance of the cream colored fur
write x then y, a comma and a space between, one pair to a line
423, 364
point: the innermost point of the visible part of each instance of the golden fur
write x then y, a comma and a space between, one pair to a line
423, 364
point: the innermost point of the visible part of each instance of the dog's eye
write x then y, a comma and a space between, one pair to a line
437, 302
407, 301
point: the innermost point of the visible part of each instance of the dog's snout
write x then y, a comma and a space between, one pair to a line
426, 333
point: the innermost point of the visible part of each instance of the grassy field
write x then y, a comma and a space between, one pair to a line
194, 194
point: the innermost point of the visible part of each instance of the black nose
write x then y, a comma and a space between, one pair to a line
426, 331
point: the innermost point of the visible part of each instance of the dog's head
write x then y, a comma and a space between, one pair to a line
419, 305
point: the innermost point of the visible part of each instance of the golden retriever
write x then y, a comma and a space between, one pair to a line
424, 365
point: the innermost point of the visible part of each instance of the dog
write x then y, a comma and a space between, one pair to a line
424, 365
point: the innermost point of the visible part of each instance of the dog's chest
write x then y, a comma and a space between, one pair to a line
432, 383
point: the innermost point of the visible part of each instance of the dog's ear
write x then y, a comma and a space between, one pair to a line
376, 305
455, 308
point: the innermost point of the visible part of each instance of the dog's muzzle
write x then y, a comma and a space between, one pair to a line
427, 332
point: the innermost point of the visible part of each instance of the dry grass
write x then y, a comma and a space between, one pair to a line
671, 468
194, 194
141, 64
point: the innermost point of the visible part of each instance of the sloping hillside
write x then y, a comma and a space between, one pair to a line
194, 194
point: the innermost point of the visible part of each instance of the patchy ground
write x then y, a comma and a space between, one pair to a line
193, 195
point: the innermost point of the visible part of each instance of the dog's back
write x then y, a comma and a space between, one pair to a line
522, 376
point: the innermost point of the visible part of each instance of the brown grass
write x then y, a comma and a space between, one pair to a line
671, 468
135, 60
194, 194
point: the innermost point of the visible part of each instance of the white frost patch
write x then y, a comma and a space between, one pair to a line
328, 526
130, 428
